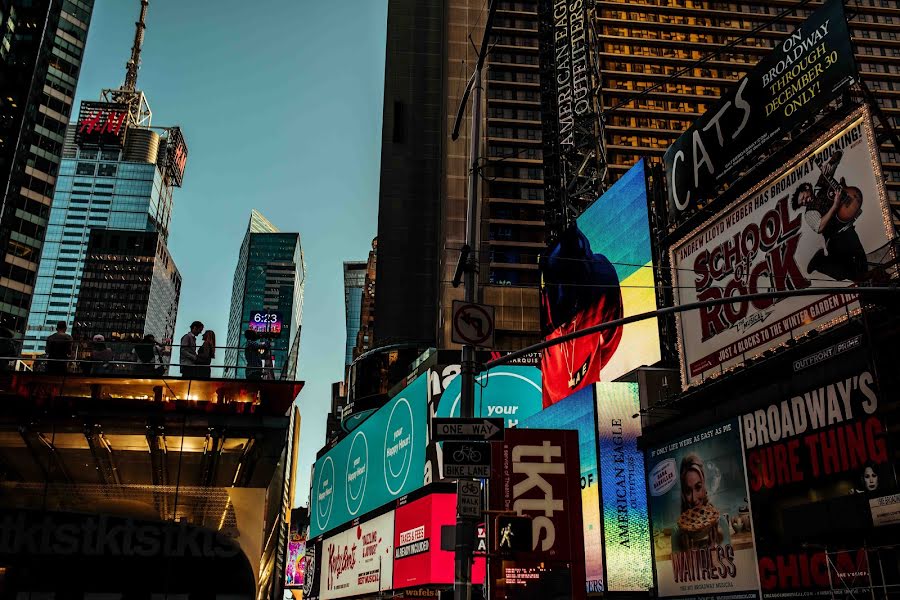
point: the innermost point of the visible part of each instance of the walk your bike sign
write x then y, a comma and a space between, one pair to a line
467, 459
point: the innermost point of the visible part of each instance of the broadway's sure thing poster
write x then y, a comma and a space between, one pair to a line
810, 68
816, 456
700, 515
821, 222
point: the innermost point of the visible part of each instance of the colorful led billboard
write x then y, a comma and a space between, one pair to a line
577, 412
701, 516
510, 392
821, 221
381, 460
266, 322
296, 561
101, 123
625, 523
359, 560
601, 270
418, 557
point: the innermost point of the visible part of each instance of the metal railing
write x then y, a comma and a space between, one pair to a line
141, 359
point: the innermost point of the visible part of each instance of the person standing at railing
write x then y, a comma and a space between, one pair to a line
254, 355
205, 354
188, 358
58, 350
101, 356
149, 355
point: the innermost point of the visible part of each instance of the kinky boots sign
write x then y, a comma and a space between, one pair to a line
536, 474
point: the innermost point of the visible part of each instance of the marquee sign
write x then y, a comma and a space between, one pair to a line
101, 124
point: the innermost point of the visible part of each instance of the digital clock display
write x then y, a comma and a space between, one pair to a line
266, 322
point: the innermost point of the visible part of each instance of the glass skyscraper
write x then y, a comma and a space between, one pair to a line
124, 188
270, 276
41, 47
354, 280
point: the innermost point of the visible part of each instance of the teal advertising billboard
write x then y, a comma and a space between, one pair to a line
511, 392
382, 459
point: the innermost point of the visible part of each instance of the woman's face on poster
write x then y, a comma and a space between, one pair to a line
694, 489
870, 479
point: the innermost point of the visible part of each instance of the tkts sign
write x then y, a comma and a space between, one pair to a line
101, 124
538, 471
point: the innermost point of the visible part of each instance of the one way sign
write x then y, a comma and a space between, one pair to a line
487, 430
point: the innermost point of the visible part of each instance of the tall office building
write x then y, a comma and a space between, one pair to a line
422, 207
642, 42
354, 282
118, 173
365, 336
41, 49
269, 278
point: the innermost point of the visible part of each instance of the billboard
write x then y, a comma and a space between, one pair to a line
535, 474
816, 458
418, 557
381, 460
626, 527
312, 570
359, 560
809, 69
818, 222
511, 392
601, 270
577, 412
701, 517
266, 322
296, 560
176, 155
101, 124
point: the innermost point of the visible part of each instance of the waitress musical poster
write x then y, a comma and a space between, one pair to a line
601, 270
700, 516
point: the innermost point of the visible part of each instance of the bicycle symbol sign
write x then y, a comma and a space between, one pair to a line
467, 459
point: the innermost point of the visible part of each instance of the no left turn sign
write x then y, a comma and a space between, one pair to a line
473, 324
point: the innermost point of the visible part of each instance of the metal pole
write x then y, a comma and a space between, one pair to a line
462, 588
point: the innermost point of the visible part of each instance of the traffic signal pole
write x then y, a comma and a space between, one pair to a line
465, 538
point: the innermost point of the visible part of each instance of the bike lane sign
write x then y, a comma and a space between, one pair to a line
467, 460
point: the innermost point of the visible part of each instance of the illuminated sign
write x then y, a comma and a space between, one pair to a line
577, 412
811, 67
626, 527
783, 235
601, 270
176, 155
701, 517
418, 557
101, 123
381, 460
360, 560
510, 392
267, 322
296, 561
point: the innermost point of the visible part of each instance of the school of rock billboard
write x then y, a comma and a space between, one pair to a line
601, 270
821, 221
816, 455
809, 69
536, 474
359, 560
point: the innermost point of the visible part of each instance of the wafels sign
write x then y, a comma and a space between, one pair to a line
820, 222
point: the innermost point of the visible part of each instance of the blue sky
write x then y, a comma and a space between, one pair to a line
280, 102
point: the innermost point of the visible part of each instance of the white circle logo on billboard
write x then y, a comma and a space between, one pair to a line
325, 493
357, 472
398, 446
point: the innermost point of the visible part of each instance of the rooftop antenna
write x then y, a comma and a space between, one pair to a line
128, 94
134, 63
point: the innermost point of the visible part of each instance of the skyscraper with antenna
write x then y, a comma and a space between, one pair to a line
105, 267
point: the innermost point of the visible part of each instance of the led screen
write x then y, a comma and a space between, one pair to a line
625, 523
359, 560
601, 270
296, 562
510, 392
266, 321
577, 412
382, 459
